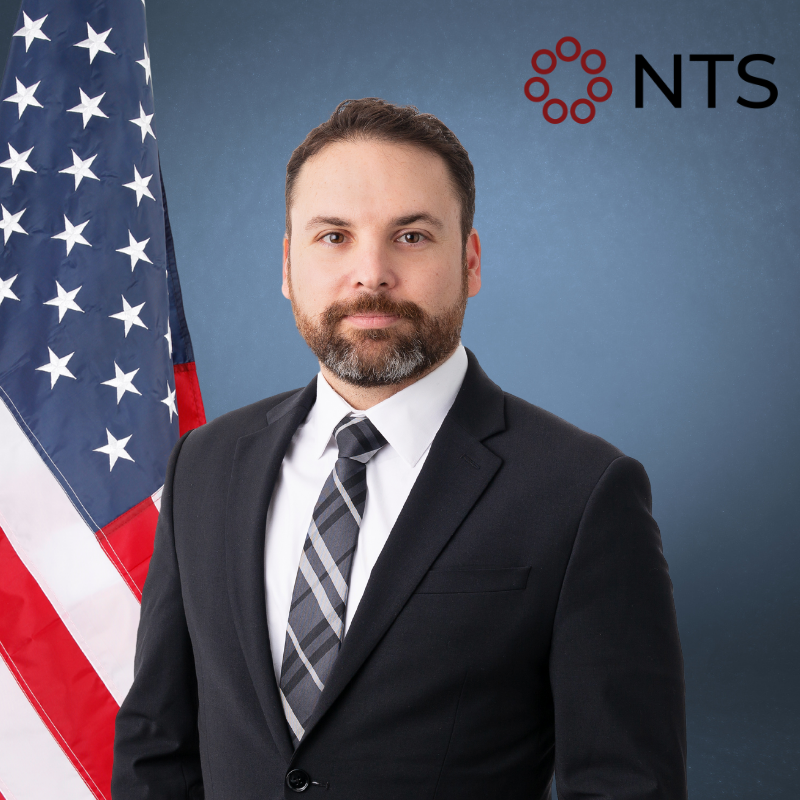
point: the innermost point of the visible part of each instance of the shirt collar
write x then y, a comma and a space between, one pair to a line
408, 420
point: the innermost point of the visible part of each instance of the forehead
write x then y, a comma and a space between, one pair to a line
369, 178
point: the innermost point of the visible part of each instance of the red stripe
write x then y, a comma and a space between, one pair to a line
128, 542
191, 413
54, 674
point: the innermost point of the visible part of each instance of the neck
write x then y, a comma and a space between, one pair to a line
363, 397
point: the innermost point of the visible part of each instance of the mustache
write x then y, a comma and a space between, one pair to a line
371, 303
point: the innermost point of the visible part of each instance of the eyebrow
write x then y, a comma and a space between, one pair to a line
409, 219
336, 222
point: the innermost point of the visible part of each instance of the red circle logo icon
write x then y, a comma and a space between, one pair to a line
596, 69
540, 83
590, 89
535, 61
555, 102
545, 90
573, 111
571, 40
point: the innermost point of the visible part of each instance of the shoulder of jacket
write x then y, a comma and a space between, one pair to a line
530, 422
237, 423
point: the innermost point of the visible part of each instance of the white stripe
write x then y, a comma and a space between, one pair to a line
327, 560
364, 457
311, 671
346, 497
352, 421
32, 764
291, 718
334, 620
6, 792
62, 553
156, 497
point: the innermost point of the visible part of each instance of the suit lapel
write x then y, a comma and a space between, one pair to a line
456, 472
255, 469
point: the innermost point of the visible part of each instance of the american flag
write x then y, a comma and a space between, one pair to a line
97, 381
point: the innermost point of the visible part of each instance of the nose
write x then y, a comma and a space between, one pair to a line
372, 268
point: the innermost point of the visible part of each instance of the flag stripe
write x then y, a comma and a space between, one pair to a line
130, 538
63, 554
32, 764
191, 413
53, 672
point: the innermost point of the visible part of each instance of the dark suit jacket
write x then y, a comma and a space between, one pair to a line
520, 616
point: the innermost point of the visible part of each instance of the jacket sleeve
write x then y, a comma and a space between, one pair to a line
156, 751
616, 666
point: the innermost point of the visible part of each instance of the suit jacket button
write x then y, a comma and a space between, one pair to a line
298, 780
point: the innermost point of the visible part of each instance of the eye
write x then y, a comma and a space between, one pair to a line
412, 237
333, 238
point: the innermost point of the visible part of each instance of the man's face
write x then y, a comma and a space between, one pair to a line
375, 268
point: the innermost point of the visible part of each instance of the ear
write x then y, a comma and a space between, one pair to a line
473, 263
285, 283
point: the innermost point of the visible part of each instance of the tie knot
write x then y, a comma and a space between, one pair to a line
358, 438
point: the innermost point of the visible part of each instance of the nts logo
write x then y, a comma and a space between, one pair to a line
556, 111
545, 86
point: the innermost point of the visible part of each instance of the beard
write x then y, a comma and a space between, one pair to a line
370, 357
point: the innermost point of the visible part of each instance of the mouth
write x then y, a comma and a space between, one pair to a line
372, 320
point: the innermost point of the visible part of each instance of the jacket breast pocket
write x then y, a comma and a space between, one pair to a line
474, 579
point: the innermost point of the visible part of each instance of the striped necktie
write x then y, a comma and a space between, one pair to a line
316, 618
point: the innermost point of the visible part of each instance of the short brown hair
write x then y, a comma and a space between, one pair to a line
373, 118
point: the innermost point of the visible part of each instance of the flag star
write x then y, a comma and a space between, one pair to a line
139, 186
72, 234
17, 162
129, 315
24, 97
95, 43
115, 449
5, 289
10, 223
80, 169
32, 29
64, 301
145, 62
89, 107
143, 121
135, 250
169, 402
168, 337
57, 367
123, 382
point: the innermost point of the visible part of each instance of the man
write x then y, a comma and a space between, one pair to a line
399, 582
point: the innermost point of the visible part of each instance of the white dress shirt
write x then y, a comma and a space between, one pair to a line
408, 421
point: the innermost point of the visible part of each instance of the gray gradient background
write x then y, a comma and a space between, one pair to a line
640, 273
